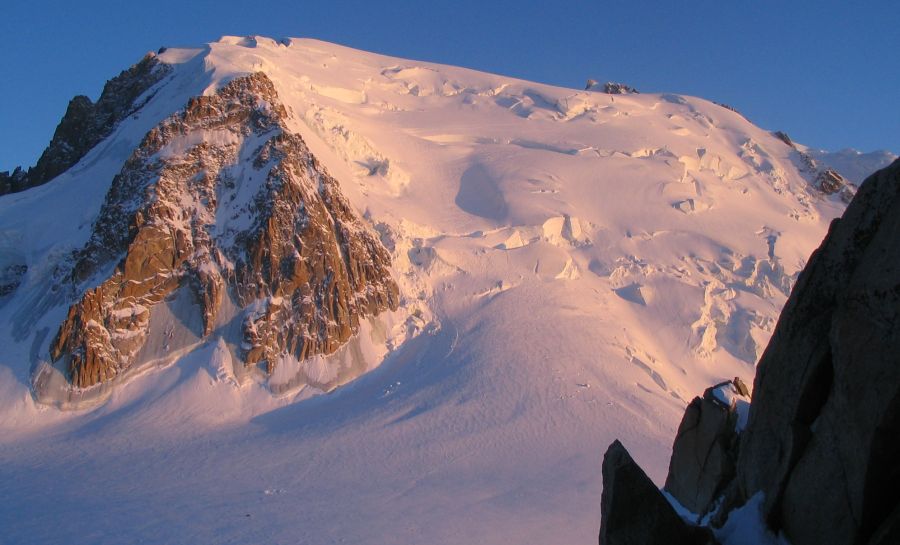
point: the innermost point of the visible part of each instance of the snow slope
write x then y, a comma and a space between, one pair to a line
581, 266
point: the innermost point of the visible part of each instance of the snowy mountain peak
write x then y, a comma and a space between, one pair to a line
219, 200
567, 267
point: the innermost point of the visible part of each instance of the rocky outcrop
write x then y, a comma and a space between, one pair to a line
826, 180
853, 165
823, 434
704, 456
783, 136
634, 512
822, 439
829, 181
86, 123
610, 88
220, 199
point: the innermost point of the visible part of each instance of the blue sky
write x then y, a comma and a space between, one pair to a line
827, 72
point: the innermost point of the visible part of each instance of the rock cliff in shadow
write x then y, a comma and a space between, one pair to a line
822, 440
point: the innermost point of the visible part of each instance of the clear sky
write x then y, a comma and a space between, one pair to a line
826, 71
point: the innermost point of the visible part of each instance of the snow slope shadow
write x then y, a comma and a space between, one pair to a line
478, 194
408, 371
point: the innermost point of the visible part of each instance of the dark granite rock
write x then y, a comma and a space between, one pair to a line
705, 451
889, 531
741, 388
823, 437
634, 512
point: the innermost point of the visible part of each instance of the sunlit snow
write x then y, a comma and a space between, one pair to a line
581, 265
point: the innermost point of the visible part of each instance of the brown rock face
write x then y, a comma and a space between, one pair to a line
85, 124
316, 286
253, 217
829, 182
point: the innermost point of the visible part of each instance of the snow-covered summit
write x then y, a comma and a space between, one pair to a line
574, 267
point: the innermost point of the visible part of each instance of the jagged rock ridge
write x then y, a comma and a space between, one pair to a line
222, 200
86, 123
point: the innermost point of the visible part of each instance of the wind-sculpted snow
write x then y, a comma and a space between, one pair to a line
570, 267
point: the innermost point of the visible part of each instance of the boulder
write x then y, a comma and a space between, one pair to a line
704, 455
741, 388
634, 512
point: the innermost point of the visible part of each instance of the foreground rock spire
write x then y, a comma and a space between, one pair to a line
221, 201
819, 453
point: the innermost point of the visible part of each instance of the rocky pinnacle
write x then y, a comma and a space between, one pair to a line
220, 199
